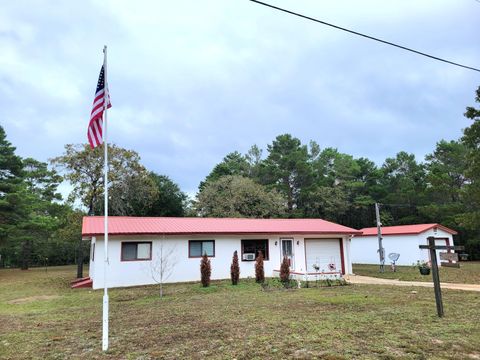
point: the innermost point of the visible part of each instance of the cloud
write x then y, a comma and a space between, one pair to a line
191, 81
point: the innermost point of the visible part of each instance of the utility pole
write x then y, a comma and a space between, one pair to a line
381, 250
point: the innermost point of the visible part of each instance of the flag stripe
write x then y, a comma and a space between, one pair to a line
95, 126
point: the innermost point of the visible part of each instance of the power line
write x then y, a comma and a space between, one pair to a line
365, 36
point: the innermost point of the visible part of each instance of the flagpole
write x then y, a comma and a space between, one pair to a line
105, 173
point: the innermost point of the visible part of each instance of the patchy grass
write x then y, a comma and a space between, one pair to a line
226, 322
468, 273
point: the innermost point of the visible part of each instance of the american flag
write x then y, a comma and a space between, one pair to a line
96, 116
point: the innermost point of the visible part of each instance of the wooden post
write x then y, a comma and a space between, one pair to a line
435, 275
381, 250
436, 278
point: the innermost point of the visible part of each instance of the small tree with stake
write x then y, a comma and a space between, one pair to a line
161, 267
235, 269
259, 271
205, 270
285, 271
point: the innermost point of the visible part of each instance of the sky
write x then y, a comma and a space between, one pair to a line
191, 81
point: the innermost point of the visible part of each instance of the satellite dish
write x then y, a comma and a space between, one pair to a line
393, 256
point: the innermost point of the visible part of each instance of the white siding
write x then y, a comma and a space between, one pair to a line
130, 273
364, 248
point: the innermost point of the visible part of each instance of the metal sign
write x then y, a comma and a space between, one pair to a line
450, 264
446, 256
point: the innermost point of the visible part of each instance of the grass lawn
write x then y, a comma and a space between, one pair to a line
41, 317
468, 273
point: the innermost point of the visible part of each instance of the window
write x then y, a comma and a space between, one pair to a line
196, 248
132, 251
93, 252
254, 247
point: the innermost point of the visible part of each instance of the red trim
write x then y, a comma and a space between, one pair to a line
342, 259
198, 257
134, 242
404, 230
232, 233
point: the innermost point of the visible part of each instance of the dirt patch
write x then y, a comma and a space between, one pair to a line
32, 298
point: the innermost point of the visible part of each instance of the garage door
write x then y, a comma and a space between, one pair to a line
323, 253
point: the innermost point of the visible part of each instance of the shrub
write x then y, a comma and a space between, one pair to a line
285, 270
259, 271
235, 269
205, 270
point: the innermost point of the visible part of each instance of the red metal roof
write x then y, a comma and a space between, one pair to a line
125, 225
405, 229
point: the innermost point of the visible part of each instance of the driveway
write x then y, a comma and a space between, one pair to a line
357, 279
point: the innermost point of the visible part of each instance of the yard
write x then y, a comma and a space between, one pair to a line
468, 273
41, 317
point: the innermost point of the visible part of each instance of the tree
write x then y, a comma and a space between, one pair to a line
470, 218
235, 269
404, 179
236, 196
405, 187
285, 271
232, 164
170, 200
11, 176
287, 169
38, 207
325, 202
446, 168
131, 190
162, 265
67, 237
205, 270
259, 269
254, 158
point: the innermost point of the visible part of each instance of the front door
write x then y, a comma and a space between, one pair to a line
287, 250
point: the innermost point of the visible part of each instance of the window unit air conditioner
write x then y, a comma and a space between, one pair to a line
249, 256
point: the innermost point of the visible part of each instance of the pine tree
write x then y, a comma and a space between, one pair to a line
205, 270
10, 179
259, 271
235, 269
285, 271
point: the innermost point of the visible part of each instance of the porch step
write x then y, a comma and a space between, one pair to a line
74, 281
82, 283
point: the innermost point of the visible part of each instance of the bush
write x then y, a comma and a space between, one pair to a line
275, 284
259, 271
235, 269
324, 283
285, 270
205, 270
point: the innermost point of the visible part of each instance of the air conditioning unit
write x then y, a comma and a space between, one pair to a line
249, 256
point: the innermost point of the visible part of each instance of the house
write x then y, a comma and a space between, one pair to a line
403, 240
314, 247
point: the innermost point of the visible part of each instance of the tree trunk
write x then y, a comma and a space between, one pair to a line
25, 255
80, 260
